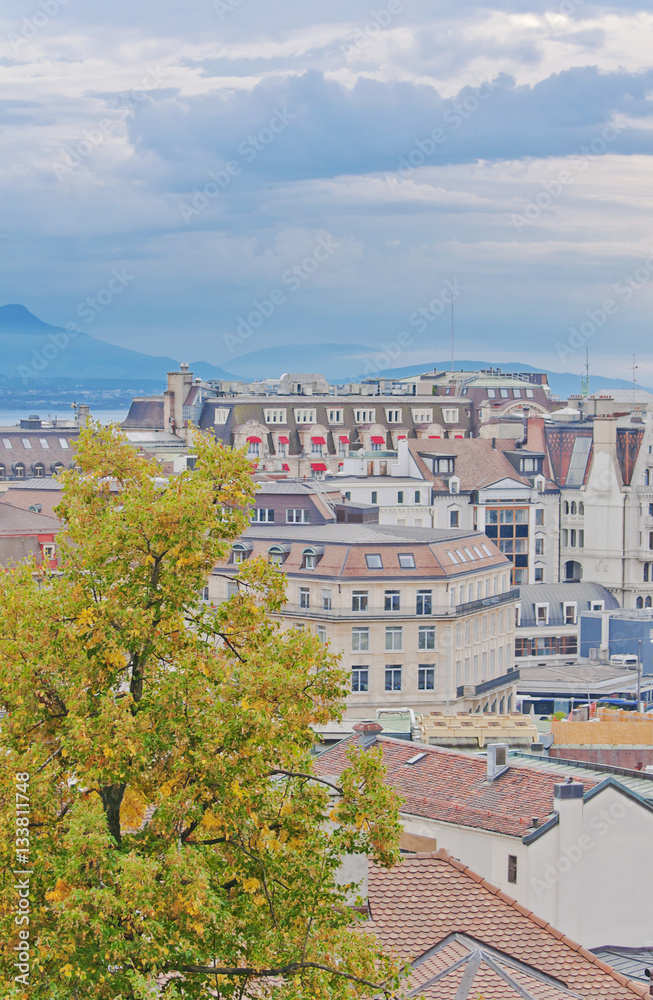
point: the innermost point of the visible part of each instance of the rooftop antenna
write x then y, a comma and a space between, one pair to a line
585, 379
635, 367
453, 364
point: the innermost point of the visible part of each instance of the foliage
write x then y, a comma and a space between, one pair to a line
176, 829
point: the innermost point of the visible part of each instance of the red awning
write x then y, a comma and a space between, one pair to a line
401, 437
285, 467
378, 440
461, 436
344, 438
254, 440
434, 437
283, 439
318, 467
318, 440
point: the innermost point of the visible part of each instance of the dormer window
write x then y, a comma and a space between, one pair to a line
542, 614
454, 485
530, 465
311, 556
240, 551
443, 465
277, 554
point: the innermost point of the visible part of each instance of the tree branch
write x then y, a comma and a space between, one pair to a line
282, 970
309, 777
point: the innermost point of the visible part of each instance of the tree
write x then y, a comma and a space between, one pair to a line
179, 844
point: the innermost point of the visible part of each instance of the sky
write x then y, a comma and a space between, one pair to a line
334, 172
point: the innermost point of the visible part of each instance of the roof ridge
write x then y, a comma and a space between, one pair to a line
443, 855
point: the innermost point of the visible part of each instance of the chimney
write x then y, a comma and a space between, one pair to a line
367, 733
568, 803
605, 434
497, 760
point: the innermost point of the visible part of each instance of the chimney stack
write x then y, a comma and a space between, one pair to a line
367, 733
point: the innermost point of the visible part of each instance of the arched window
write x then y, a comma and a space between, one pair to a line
277, 554
581, 507
240, 551
39, 470
647, 602
573, 507
3, 473
57, 468
639, 603
19, 470
573, 571
311, 556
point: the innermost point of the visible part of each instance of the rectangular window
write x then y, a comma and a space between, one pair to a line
406, 560
326, 600
374, 560
392, 600
539, 516
359, 600
220, 415
365, 416
572, 537
539, 574
503, 393
491, 393
263, 515
394, 638
359, 679
454, 518
425, 678
393, 678
298, 516
393, 416
570, 614
360, 640
335, 416
322, 633
374, 496
581, 538
539, 546
542, 614
426, 637
304, 597
450, 416
232, 588
305, 416
530, 393
418, 496
424, 602
400, 496
237, 556
423, 416
512, 869
275, 416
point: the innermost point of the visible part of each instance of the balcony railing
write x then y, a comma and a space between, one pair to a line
485, 686
376, 611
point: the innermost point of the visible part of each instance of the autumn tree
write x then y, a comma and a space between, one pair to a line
179, 844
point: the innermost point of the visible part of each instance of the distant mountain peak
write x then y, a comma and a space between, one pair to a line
19, 317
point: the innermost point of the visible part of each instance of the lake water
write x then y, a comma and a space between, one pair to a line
9, 418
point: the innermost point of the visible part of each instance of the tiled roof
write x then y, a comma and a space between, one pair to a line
430, 897
561, 445
452, 787
15, 521
477, 464
465, 969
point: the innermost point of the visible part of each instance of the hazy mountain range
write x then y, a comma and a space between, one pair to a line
35, 355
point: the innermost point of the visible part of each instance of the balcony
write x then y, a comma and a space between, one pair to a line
377, 611
475, 690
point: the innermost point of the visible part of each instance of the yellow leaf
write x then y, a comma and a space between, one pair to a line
251, 884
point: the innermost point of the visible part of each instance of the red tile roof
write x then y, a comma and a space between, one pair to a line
428, 897
452, 787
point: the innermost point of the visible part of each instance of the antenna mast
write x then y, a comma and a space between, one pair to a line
635, 367
453, 364
585, 379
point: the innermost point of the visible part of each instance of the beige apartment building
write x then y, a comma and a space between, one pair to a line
422, 617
